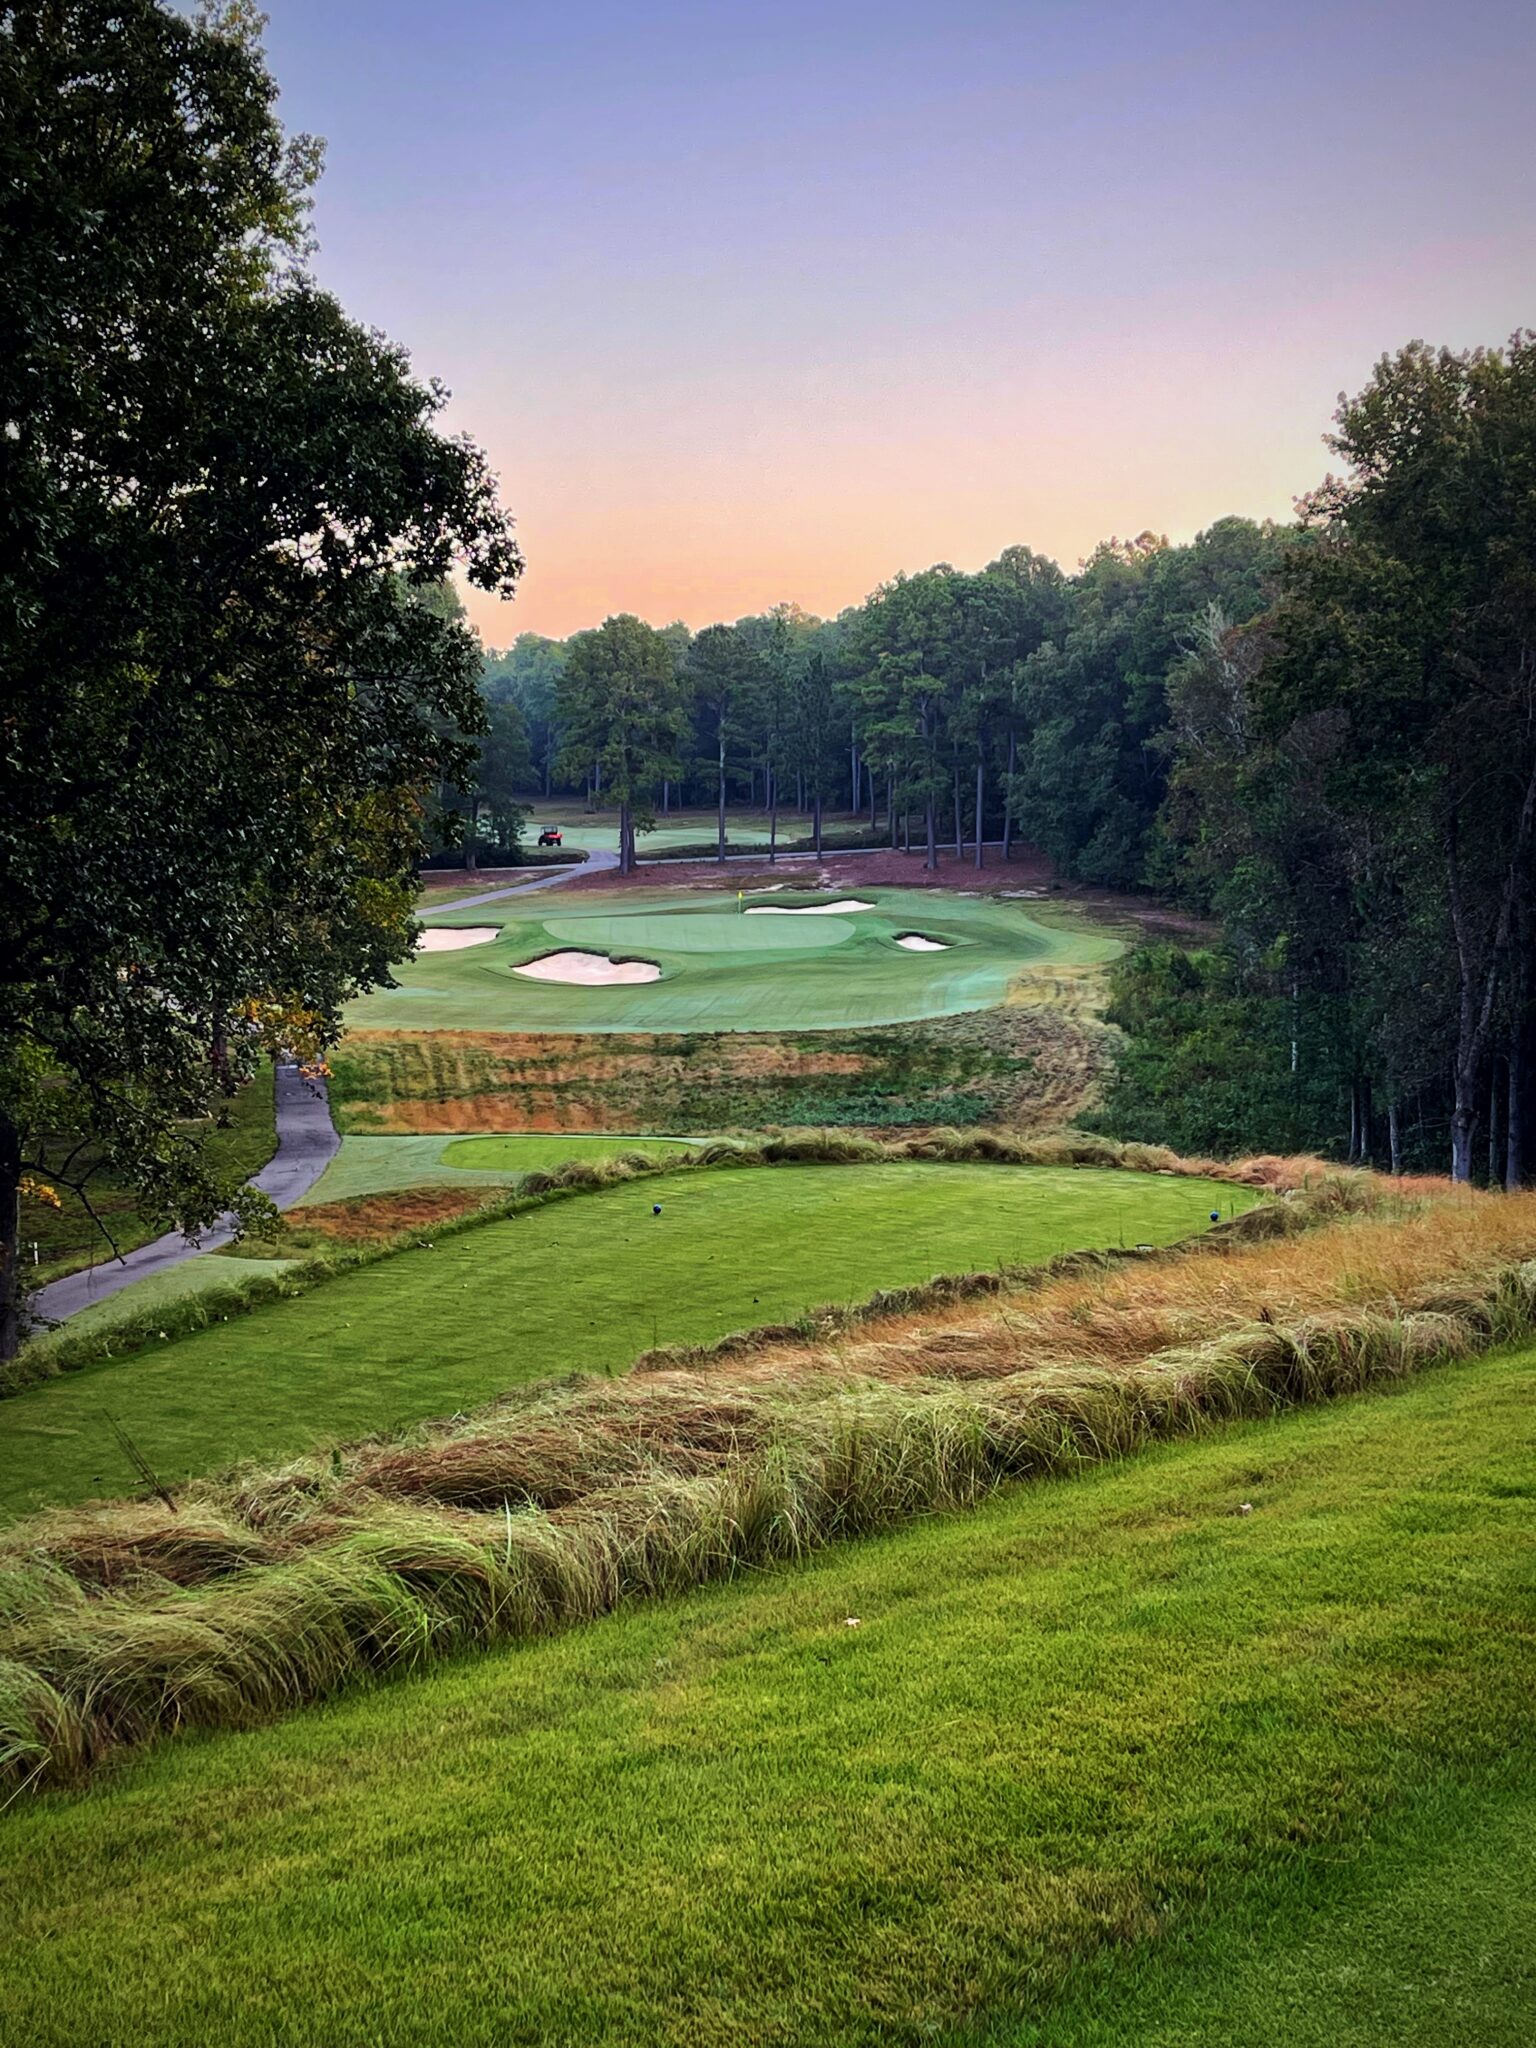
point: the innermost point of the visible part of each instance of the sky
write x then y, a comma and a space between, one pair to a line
750, 303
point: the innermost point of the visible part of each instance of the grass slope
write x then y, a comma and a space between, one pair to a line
1103, 1761
722, 970
580, 1285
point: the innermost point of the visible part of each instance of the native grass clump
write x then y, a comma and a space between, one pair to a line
236, 1599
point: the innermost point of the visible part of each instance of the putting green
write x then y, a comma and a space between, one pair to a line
581, 1284
723, 971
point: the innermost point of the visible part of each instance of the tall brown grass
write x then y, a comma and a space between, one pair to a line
270, 1587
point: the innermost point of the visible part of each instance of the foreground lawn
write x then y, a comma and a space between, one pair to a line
1108, 1761
581, 1284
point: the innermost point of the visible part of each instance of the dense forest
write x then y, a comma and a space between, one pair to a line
1321, 738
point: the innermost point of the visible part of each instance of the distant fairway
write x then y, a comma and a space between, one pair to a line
582, 1284
722, 971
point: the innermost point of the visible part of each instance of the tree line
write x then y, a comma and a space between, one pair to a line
1319, 737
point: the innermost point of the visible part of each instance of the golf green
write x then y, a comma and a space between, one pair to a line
579, 1284
729, 966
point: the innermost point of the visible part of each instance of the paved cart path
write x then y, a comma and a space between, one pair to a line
306, 1144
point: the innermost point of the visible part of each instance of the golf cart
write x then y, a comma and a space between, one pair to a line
550, 836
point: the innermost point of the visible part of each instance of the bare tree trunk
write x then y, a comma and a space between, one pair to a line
471, 852
870, 773
980, 772
10, 1238
771, 791
720, 850
1514, 1134
890, 805
1013, 755
853, 761
816, 802
626, 841
1394, 1137
1495, 1133
931, 862
959, 833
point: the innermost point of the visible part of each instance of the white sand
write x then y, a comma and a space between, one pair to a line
807, 909
454, 940
916, 943
589, 970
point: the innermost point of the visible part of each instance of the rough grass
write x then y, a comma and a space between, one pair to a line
557, 1506
1030, 1066
576, 1275
1102, 1763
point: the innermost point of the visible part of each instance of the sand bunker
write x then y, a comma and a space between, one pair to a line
589, 970
916, 943
838, 909
454, 940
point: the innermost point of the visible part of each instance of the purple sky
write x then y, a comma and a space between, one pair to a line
753, 302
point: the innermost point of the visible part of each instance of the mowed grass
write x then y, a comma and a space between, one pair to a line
1105, 1761
725, 970
579, 1285
377, 1166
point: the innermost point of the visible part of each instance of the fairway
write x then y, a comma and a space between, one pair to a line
580, 1284
722, 970
378, 1166
1105, 1762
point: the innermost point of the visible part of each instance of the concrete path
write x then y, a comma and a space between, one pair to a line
597, 862
306, 1144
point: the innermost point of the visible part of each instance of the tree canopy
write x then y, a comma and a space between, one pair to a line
221, 502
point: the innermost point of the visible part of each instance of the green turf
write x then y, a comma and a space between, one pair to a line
1104, 1763
679, 829
580, 1284
723, 970
379, 1166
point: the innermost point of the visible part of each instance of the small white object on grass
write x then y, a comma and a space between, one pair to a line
851, 1621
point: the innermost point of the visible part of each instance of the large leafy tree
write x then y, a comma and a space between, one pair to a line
1411, 624
620, 707
219, 502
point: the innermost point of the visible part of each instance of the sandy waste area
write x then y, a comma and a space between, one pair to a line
589, 970
455, 939
840, 909
916, 943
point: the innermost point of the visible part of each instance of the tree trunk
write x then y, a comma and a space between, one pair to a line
853, 768
1495, 1176
1013, 755
1463, 1131
771, 791
666, 796
959, 832
980, 772
869, 771
626, 843
890, 805
816, 801
471, 853
1514, 1161
10, 1238
720, 853
1394, 1137
931, 860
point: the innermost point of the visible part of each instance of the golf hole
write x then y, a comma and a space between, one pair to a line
589, 970
455, 939
914, 942
838, 909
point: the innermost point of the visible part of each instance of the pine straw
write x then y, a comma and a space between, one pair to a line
270, 1588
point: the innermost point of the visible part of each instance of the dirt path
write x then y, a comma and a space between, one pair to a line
306, 1144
